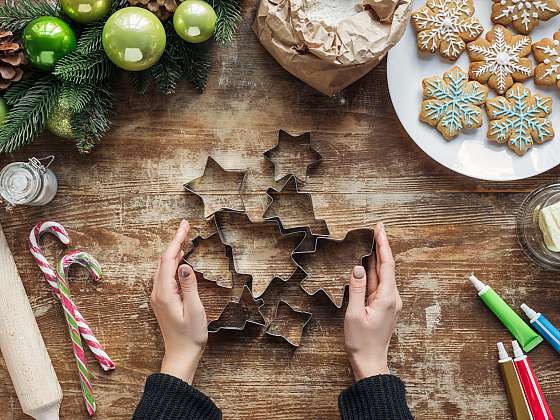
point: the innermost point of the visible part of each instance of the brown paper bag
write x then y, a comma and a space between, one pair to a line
330, 59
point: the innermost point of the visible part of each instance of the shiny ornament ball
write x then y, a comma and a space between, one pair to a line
59, 122
46, 40
3, 111
133, 39
195, 21
86, 11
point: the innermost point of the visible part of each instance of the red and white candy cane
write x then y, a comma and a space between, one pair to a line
58, 230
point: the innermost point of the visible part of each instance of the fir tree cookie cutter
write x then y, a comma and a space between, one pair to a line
293, 209
236, 315
293, 155
260, 250
215, 188
288, 323
209, 257
322, 265
547, 54
523, 15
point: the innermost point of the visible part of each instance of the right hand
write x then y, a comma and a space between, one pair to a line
368, 326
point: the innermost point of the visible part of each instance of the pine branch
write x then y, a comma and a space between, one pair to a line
76, 96
80, 68
16, 14
92, 123
90, 38
18, 90
196, 65
29, 115
229, 16
116, 5
140, 81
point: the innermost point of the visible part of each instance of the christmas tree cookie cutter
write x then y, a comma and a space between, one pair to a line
209, 257
288, 323
293, 155
215, 188
236, 315
293, 209
322, 267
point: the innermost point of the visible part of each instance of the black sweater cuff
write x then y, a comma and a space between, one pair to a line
167, 397
379, 397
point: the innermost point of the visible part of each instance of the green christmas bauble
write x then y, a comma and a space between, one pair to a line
3, 111
195, 21
59, 122
46, 40
86, 11
133, 38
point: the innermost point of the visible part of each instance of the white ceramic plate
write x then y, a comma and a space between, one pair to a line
470, 153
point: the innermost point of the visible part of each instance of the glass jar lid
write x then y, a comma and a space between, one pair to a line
20, 183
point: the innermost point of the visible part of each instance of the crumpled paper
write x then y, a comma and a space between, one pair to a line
325, 57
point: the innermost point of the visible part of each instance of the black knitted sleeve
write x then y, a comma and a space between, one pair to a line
381, 397
166, 397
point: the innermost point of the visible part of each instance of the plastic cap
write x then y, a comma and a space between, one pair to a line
502, 351
529, 312
476, 283
517, 352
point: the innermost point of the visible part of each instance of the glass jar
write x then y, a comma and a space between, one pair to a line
528, 231
28, 183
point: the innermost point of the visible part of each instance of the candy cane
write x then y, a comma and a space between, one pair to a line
93, 267
58, 230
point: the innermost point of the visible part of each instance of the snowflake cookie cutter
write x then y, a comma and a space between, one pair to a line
293, 209
293, 156
255, 248
214, 188
236, 315
288, 323
324, 273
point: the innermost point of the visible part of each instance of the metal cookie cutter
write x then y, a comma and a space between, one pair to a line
236, 315
322, 265
215, 188
209, 257
294, 209
261, 250
293, 155
288, 323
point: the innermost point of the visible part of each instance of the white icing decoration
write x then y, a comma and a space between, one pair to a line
502, 59
524, 10
552, 63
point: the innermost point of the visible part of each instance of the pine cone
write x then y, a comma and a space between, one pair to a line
163, 9
12, 58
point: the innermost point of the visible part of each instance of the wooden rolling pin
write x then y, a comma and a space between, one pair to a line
22, 345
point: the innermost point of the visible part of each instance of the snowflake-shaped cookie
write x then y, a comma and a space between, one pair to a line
524, 15
446, 25
520, 119
547, 54
452, 103
500, 59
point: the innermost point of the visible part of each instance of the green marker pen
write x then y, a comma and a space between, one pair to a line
524, 334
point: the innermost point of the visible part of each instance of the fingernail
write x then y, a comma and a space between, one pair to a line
183, 271
382, 227
359, 272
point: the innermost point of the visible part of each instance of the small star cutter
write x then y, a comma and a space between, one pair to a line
236, 315
216, 195
288, 323
323, 273
293, 156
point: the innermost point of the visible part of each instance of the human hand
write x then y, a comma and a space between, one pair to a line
368, 327
179, 311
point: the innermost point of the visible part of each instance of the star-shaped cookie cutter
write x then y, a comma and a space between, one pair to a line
247, 308
282, 326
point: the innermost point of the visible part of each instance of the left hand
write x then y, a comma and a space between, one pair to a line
179, 311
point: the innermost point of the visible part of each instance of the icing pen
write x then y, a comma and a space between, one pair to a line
518, 402
531, 388
524, 334
543, 326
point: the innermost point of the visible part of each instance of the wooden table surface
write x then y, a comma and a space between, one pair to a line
123, 202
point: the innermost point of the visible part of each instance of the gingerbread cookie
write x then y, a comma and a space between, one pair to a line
452, 103
500, 59
547, 54
446, 26
523, 15
520, 119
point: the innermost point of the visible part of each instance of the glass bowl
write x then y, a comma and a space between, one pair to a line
528, 231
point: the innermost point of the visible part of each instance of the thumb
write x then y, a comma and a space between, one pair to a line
189, 287
358, 286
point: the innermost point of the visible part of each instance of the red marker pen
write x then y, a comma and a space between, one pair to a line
537, 403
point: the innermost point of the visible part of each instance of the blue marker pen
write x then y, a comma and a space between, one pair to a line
543, 326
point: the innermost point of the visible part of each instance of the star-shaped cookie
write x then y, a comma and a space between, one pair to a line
520, 119
452, 103
446, 26
523, 15
547, 54
500, 59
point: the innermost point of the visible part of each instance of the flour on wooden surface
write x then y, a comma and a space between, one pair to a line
331, 11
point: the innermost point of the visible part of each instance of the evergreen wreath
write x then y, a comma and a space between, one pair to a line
82, 79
